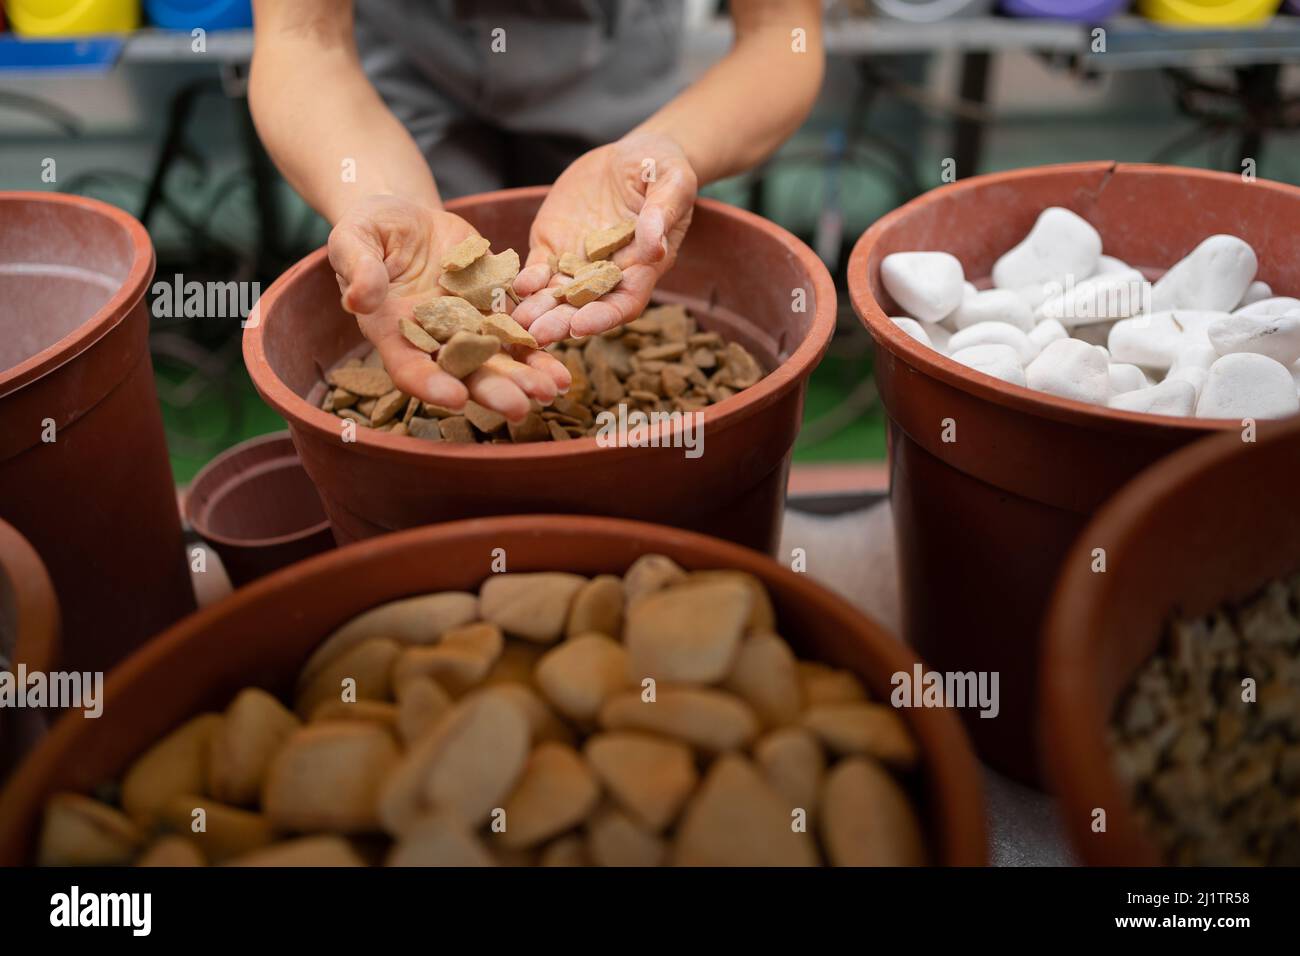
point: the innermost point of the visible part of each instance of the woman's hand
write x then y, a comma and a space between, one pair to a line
644, 176
385, 252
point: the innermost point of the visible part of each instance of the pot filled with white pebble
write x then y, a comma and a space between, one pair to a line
1171, 684
531, 690
1042, 336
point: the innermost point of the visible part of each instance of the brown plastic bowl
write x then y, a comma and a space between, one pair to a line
737, 273
97, 502
1214, 522
256, 506
204, 660
29, 636
984, 522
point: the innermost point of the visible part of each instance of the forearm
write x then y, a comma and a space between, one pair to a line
322, 122
751, 101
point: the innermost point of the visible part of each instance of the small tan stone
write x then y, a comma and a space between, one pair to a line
446, 315
478, 282
172, 851
465, 352
421, 703
484, 419
516, 663
176, 764
457, 429
426, 428
79, 831
872, 730
739, 368
762, 617
308, 851
254, 727
579, 675
439, 840
532, 428
529, 606
603, 243
648, 776
592, 282
737, 819
556, 793
421, 339
614, 839
827, 685
365, 382
570, 263
766, 676
377, 712
461, 660
867, 819
689, 633
327, 777
792, 762
544, 724
597, 608
566, 851
648, 574
367, 668
507, 330
387, 408
227, 832
711, 720
464, 254
557, 432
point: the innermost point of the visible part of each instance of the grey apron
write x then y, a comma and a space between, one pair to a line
574, 74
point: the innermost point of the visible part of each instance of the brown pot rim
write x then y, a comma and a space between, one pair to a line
739, 407
1018, 398
37, 642
953, 772
103, 321
194, 516
1077, 761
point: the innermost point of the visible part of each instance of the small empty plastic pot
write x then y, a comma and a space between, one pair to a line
256, 506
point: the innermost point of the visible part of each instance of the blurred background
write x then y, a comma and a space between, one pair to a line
131, 111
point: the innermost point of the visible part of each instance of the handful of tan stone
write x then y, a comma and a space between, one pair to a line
659, 362
550, 719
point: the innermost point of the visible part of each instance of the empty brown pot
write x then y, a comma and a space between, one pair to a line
256, 506
983, 522
736, 272
84, 472
29, 636
203, 661
1209, 524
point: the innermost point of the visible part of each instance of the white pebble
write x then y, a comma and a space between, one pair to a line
1278, 305
1248, 385
1000, 361
1153, 341
1213, 276
928, 285
1102, 298
1049, 330
1170, 397
940, 335
994, 333
1109, 264
1276, 336
1039, 292
1255, 292
996, 305
1061, 244
1127, 378
1071, 369
914, 329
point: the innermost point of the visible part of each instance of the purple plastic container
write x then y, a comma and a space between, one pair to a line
1091, 11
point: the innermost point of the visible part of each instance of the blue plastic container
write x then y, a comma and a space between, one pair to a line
206, 14
1088, 11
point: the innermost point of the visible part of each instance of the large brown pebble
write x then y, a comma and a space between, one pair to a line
592, 282
688, 633
222, 832
766, 676
172, 851
579, 675
737, 819
603, 243
253, 728
421, 339
567, 851
421, 703
544, 724
79, 831
871, 730
478, 283
712, 720
484, 419
507, 330
327, 777
464, 254
761, 615
516, 663
867, 819
530, 606
615, 839
366, 382
458, 662
570, 263
457, 429
176, 764
446, 315
439, 841
532, 428
648, 574
466, 766
648, 776
311, 851
826, 685
367, 668
556, 793
416, 620
465, 352
597, 608
793, 763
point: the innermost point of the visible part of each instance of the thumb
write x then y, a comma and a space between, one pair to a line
537, 270
357, 258
667, 200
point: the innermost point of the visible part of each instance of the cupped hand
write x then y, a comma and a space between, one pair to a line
386, 253
644, 176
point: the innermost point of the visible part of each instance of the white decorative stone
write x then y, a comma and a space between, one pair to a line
1127, 378
1213, 276
1049, 330
1168, 398
1000, 361
1102, 298
1276, 336
1062, 245
1278, 305
1248, 385
1109, 264
1256, 292
928, 285
996, 305
914, 329
1071, 369
1153, 341
994, 333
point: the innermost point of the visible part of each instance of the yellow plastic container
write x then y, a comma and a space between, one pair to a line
65, 18
1209, 13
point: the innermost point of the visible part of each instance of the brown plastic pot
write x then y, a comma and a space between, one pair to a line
97, 502
738, 274
983, 522
29, 636
256, 506
1211, 523
204, 660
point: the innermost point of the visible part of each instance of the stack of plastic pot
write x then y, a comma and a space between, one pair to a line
990, 482
737, 273
1209, 13
84, 472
